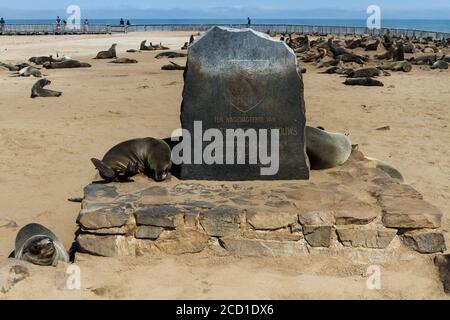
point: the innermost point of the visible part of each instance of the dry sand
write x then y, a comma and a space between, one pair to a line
46, 145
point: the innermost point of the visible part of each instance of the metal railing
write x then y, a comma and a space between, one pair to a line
46, 29
35, 29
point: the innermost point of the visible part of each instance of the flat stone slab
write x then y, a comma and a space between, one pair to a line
352, 207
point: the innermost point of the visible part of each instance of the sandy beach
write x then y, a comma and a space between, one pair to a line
47, 143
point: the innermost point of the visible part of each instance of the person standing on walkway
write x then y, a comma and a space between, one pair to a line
2, 24
86, 26
249, 22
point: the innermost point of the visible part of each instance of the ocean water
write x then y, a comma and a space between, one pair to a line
418, 24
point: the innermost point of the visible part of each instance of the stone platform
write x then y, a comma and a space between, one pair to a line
353, 206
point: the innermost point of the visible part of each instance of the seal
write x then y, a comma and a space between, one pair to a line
442, 263
170, 55
424, 60
352, 58
38, 245
389, 169
404, 66
144, 47
388, 55
66, 64
129, 158
368, 73
29, 71
373, 46
110, 54
39, 91
440, 64
41, 60
172, 66
368, 82
326, 150
124, 60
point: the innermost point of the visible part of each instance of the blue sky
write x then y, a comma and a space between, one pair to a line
228, 9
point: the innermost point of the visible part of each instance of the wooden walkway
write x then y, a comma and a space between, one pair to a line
42, 29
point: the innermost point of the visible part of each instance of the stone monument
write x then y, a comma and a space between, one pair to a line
243, 111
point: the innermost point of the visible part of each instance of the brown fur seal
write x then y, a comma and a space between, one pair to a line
389, 169
399, 53
41, 60
440, 64
39, 91
424, 60
29, 71
170, 55
368, 82
110, 54
373, 46
352, 58
144, 47
172, 66
125, 160
368, 73
124, 60
325, 149
38, 245
388, 55
66, 64
404, 66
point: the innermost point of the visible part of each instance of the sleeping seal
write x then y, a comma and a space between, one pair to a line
368, 73
172, 66
41, 60
368, 82
404, 66
109, 54
440, 64
29, 71
66, 64
170, 55
132, 157
124, 60
38, 245
326, 150
39, 91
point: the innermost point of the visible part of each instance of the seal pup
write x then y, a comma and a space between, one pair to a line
38, 245
170, 55
132, 157
368, 82
66, 64
326, 150
440, 64
389, 169
39, 91
172, 66
124, 60
109, 54
368, 73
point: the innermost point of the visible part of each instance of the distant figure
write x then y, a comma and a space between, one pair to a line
65, 24
58, 23
122, 22
2, 24
249, 22
86, 26
191, 39
128, 23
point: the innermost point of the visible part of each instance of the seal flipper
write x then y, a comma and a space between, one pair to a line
105, 171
